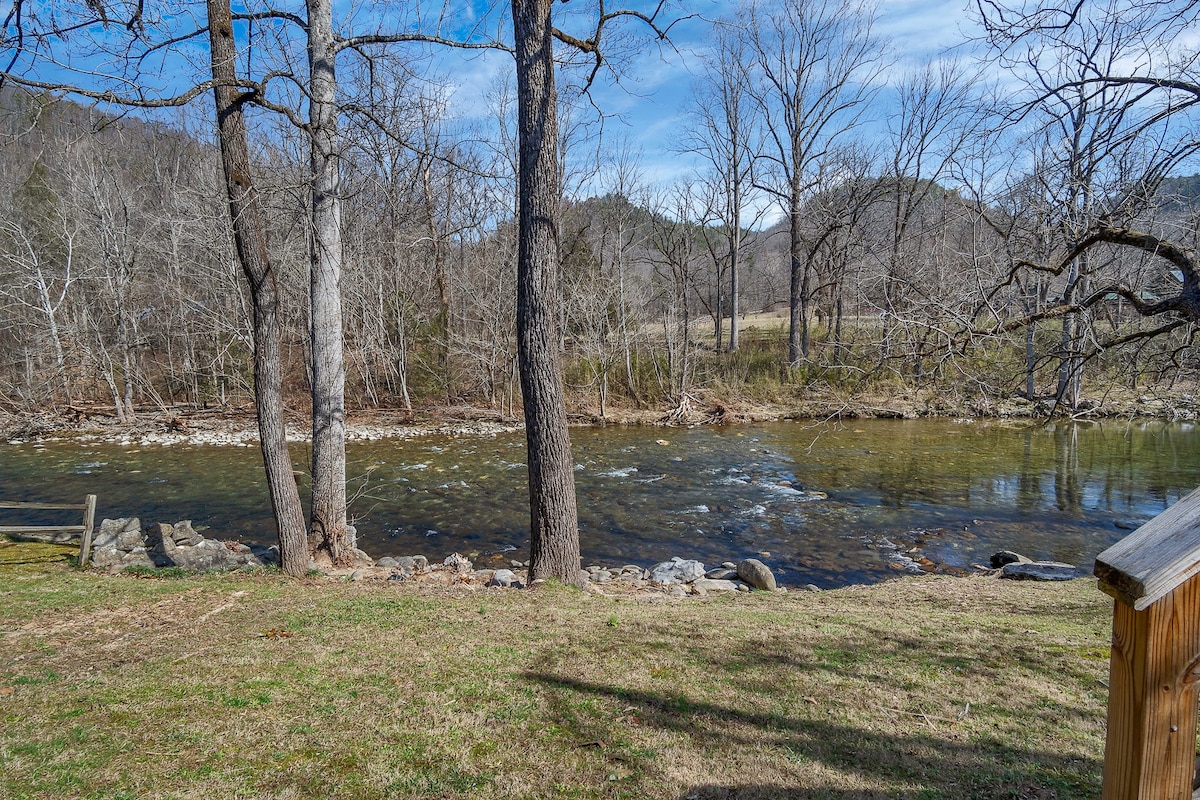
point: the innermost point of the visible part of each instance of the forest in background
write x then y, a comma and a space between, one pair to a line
924, 251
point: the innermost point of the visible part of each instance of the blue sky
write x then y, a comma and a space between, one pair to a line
648, 108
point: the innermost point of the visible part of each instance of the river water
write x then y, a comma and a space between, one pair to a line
829, 504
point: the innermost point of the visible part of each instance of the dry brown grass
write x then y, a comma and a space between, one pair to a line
255, 686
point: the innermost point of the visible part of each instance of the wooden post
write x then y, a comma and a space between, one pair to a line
89, 523
1154, 576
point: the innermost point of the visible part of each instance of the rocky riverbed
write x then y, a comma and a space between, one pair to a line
125, 544
122, 544
236, 425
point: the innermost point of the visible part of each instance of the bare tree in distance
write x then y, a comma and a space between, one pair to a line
816, 65
725, 125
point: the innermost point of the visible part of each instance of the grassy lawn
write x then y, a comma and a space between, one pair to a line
227, 686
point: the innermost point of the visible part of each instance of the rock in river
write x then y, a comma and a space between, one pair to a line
1039, 571
1003, 557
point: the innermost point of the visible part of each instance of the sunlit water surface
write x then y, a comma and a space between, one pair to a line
949, 492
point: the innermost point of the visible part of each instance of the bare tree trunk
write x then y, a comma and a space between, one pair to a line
50, 309
126, 347
735, 245
797, 296
327, 533
264, 292
718, 329
554, 526
1030, 359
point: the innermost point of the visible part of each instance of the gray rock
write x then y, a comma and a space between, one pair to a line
265, 556
128, 533
505, 578
714, 585
420, 564
999, 559
601, 576
811, 587
729, 565
184, 534
136, 558
1039, 571
357, 575
663, 573
757, 574
458, 563
689, 570
106, 557
721, 574
388, 562
114, 532
677, 591
676, 570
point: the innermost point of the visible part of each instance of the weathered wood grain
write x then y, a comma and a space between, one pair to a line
1156, 558
1151, 745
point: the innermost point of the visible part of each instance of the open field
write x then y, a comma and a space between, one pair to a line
224, 686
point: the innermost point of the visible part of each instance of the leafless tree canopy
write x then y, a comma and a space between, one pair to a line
846, 221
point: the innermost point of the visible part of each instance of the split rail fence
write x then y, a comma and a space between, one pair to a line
84, 530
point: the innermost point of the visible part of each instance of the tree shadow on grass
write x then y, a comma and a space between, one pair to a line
920, 765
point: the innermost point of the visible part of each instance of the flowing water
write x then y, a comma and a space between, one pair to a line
948, 492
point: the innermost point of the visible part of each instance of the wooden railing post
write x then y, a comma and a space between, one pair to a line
1154, 576
1151, 746
89, 524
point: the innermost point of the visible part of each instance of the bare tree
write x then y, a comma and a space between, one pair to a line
249, 237
817, 62
725, 126
1116, 87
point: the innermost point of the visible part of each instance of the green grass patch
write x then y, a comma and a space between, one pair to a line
116, 686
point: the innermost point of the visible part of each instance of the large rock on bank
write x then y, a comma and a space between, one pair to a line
757, 574
1039, 571
122, 543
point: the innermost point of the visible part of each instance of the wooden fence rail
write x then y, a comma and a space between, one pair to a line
88, 507
1154, 671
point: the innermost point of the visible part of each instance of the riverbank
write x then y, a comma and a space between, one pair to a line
250, 684
236, 425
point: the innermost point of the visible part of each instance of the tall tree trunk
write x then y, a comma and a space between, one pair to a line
718, 309
735, 245
328, 536
50, 309
250, 241
797, 295
554, 525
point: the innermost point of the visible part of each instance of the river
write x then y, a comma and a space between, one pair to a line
822, 503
